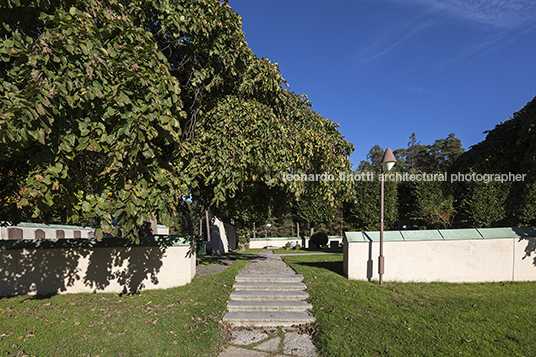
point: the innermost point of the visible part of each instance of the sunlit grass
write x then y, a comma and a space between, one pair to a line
361, 318
183, 321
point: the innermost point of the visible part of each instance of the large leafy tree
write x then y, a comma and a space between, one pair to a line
121, 110
509, 148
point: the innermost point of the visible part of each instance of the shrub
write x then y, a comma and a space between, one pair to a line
319, 239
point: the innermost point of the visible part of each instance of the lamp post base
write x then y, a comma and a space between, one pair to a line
381, 267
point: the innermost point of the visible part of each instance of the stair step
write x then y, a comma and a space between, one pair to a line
278, 305
258, 278
272, 286
269, 318
268, 295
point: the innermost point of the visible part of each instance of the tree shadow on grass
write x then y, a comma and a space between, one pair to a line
336, 267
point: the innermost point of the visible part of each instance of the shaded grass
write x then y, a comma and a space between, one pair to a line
247, 251
234, 252
206, 260
183, 321
360, 318
307, 250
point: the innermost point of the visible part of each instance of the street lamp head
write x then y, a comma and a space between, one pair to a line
388, 160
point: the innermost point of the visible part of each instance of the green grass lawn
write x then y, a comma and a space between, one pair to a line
247, 251
361, 318
184, 321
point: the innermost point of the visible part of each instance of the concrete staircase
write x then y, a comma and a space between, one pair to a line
268, 299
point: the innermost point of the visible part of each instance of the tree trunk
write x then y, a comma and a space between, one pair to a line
208, 226
154, 224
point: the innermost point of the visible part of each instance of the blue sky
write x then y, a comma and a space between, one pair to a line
383, 69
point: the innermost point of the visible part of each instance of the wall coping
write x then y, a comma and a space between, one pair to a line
51, 226
442, 234
151, 241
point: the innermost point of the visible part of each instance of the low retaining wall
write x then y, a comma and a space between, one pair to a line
256, 243
464, 255
114, 265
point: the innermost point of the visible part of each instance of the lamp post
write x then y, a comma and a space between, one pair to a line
388, 162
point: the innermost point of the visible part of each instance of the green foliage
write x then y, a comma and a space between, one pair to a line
313, 207
423, 203
364, 210
116, 111
319, 239
524, 208
81, 114
446, 151
244, 234
483, 204
510, 148
373, 161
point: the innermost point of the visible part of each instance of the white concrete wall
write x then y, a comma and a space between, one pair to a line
81, 270
162, 230
218, 236
223, 236
281, 241
259, 243
232, 239
467, 260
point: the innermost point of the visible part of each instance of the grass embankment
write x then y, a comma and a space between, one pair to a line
360, 318
184, 321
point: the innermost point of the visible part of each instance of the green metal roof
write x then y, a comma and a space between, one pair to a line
442, 234
460, 234
507, 232
354, 237
388, 236
421, 235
